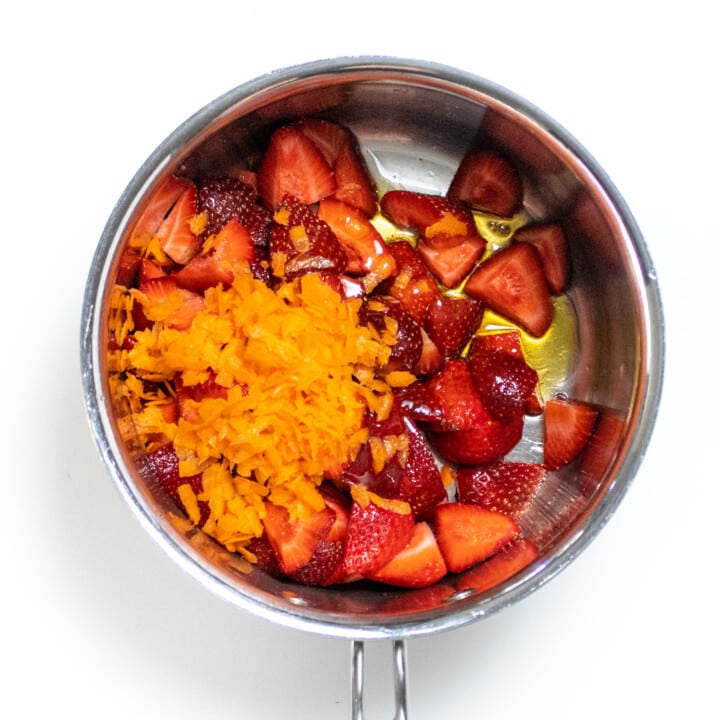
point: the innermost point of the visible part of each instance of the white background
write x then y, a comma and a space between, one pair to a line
96, 622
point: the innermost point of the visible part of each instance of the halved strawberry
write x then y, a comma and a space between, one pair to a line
453, 261
500, 567
358, 236
512, 282
568, 427
414, 285
451, 322
325, 567
177, 240
161, 469
128, 268
224, 198
419, 564
150, 269
233, 244
505, 487
550, 241
306, 241
293, 165
295, 542
378, 530
437, 219
504, 381
165, 301
160, 204
488, 181
202, 272
468, 534
385, 313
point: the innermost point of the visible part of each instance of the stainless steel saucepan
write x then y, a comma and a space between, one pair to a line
414, 121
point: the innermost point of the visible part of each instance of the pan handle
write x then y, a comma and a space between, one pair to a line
400, 673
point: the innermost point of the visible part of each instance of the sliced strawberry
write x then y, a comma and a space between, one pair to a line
202, 272
512, 282
378, 530
358, 236
504, 381
233, 244
328, 136
568, 427
295, 542
306, 241
419, 564
451, 322
500, 567
452, 262
491, 342
550, 241
177, 240
354, 183
169, 303
266, 559
468, 534
293, 165
414, 285
386, 313
488, 181
506, 487
437, 219
430, 360
601, 450
161, 469
160, 204
325, 567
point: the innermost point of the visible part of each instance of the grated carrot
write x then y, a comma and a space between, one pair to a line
300, 374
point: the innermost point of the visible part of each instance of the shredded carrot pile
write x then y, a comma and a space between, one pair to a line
300, 373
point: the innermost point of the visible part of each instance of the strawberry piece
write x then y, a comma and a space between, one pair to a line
149, 269
329, 137
419, 564
225, 198
512, 282
377, 531
506, 487
178, 306
160, 204
439, 220
430, 360
189, 395
384, 312
468, 534
568, 427
266, 559
307, 241
483, 443
160, 469
489, 342
325, 567
414, 285
488, 181
451, 321
500, 567
551, 244
233, 244
397, 463
177, 240
453, 261
202, 272
295, 542
600, 451
128, 268
354, 184
504, 381
293, 165
358, 236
